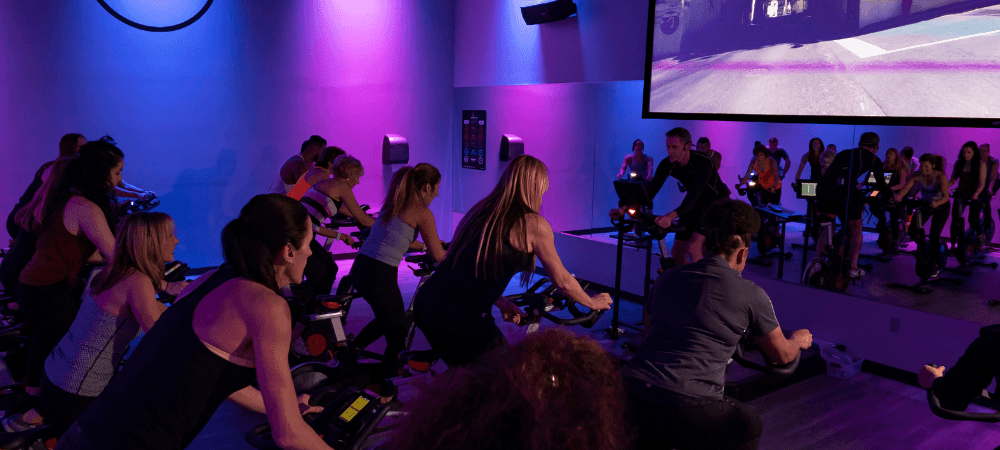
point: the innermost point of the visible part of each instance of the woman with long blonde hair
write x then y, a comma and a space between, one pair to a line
121, 301
499, 237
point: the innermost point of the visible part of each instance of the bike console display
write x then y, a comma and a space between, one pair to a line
632, 194
805, 189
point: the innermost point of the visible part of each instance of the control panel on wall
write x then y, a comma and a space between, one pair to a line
474, 139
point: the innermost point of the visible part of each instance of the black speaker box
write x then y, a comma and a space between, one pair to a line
510, 147
548, 12
395, 149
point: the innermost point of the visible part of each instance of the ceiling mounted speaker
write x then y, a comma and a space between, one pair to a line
510, 147
395, 149
548, 12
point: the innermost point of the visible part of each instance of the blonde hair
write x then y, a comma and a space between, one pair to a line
32, 214
405, 186
827, 157
346, 166
489, 224
139, 244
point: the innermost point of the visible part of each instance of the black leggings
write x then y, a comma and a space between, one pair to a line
49, 312
60, 408
377, 283
668, 420
16, 259
320, 271
938, 217
975, 211
459, 334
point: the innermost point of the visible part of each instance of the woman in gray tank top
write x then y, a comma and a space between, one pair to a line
932, 185
120, 301
404, 213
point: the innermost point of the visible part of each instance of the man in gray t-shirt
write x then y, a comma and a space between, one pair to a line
695, 317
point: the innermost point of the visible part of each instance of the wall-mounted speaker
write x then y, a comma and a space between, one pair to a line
395, 149
548, 12
510, 147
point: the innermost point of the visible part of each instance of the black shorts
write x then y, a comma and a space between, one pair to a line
843, 208
691, 221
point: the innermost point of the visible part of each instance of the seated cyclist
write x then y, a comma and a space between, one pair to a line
971, 374
500, 236
932, 186
837, 193
697, 315
767, 178
376, 268
322, 172
696, 171
637, 162
969, 174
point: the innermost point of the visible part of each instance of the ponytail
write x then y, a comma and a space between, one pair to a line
251, 242
404, 187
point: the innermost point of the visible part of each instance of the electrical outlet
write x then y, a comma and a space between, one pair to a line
894, 324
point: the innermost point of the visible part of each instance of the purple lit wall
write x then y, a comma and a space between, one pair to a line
206, 114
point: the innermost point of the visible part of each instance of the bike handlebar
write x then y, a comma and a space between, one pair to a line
541, 304
769, 368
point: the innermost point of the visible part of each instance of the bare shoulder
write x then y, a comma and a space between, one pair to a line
537, 224
259, 302
82, 204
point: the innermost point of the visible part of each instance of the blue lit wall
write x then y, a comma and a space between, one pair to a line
206, 114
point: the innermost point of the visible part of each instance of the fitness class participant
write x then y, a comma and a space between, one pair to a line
637, 163
322, 171
932, 185
123, 189
323, 201
827, 158
813, 158
231, 328
779, 154
551, 391
71, 223
705, 146
121, 301
992, 167
294, 167
376, 268
696, 316
69, 145
500, 236
970, 174
697, 172
837, 192
971, 374
767, 177
912, 163
900, 172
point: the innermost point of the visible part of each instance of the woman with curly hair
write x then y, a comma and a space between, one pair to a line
553, 390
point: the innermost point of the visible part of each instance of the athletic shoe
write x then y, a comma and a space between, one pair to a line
935, 273
856, 273
16, 423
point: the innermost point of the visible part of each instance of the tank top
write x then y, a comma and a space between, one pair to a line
278, 186
388, 241
930, 192
88, 355
319, 205
767, 178
171, 386
58, 256
640, 166
461, 288
968, 179
815, 170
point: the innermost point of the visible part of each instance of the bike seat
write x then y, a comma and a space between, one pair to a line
336, 301
419, 360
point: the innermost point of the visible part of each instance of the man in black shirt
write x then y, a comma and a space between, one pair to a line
696, 316
780, 155
838, 193
697, 172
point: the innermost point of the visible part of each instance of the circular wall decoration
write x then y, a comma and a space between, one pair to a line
140, 26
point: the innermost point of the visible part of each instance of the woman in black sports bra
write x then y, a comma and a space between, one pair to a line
499, 237
229, 328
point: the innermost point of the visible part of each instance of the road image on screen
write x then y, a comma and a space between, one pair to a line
875, 58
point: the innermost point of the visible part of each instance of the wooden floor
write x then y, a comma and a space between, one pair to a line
865, 412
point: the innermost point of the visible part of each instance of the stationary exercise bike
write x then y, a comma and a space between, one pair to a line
769, 235
988, 399
971, 247
927, 267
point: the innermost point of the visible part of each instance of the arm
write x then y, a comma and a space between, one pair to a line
354, 211
324, 231
142, 301
982, 182
428, 231
662, 172
625, 162
970, 375
270, 329
649, 167
699, 184
993, 171
746, 176
249, 398
909, 185
802, 165
542, 243
903, 179
788, 163
128, 187
92, 224
782, 350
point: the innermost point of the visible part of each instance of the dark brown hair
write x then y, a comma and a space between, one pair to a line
814, 156
553, 390
724, 222
328, 155
266, 224
405, 186
68, 144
